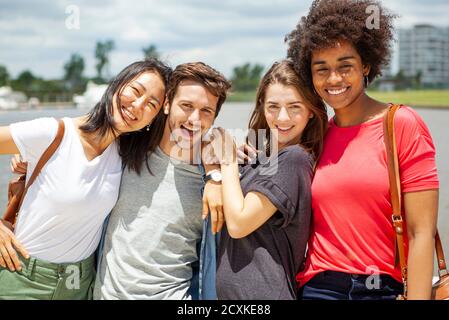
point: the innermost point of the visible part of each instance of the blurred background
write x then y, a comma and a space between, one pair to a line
56, 57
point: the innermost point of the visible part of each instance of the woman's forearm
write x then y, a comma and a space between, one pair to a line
421, 209
243, 214
233, 199
7, 145
420, 266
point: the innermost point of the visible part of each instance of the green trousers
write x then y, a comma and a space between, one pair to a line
42, 280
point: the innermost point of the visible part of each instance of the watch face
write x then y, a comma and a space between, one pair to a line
216, 176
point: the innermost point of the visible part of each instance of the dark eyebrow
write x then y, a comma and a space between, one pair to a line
339, 59
203, 107
157, 100
211, 109
346, 58
296, 102
141, 85
144, 90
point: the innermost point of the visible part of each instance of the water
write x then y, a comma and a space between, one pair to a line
236, 115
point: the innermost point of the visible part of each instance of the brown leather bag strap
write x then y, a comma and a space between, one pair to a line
442, 269
48, 153
395, 191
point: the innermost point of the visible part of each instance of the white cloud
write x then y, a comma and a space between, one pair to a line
221, 33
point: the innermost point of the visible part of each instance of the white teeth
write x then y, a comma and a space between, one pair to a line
285, 128
129, 114
335, 92
193, 129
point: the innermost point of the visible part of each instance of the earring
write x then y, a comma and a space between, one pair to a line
148, 127
366, 81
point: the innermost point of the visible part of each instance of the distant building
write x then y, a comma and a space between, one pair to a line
10, 99
424, 51
385, 82
387, 70
91, 96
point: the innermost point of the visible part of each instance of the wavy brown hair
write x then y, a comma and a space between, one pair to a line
202, 73
284, 73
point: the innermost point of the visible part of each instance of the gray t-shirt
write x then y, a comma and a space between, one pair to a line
152, 234
263, 265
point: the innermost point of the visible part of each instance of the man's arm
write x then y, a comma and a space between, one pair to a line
212, 196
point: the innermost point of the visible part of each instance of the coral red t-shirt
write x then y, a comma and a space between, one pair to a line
352, 227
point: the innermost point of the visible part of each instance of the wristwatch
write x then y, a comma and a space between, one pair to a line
214, 175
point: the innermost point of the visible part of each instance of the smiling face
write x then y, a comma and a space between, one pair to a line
190, 114
338, 74
140, 101
286, 113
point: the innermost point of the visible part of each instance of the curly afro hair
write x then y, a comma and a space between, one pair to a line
332, 20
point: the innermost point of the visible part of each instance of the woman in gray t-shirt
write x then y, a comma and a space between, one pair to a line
268, 210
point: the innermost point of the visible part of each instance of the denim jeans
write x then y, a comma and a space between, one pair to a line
332, 285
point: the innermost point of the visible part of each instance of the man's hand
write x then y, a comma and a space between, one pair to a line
213, 203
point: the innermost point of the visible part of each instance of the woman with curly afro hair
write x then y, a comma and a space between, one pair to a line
339, 49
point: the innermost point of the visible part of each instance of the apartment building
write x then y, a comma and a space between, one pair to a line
425, 49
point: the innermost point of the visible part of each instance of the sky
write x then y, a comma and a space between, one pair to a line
41, 35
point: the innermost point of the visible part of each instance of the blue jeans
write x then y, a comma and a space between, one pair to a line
332, 285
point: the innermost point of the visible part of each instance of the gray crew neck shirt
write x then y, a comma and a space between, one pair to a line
152, 234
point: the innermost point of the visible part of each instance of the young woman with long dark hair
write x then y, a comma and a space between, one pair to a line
50, 252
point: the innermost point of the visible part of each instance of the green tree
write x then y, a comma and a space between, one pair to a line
44, 90
151, 52
417, 80
246, 77
256, 72
48, 90
402, 81
4, 76
24, 81
102, 51
74, 73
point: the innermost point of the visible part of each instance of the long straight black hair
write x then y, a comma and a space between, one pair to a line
134, 147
